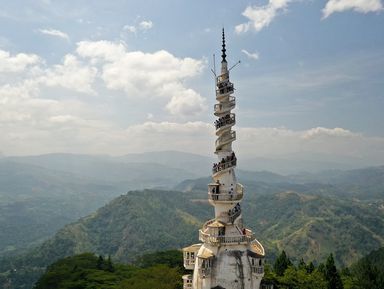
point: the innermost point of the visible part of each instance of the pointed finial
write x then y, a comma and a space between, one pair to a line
223, 55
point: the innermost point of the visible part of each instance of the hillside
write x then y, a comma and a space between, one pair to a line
144, 221
41, 194
96, 272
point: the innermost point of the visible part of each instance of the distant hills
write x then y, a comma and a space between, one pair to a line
307, 214
40, 194
303, 225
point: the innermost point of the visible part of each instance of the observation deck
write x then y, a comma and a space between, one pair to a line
224, 107
217, 240
225, 139
217, 196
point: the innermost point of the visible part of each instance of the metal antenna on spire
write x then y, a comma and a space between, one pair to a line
214, 66
223, 55
233, 66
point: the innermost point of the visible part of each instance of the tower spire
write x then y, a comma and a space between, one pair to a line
223, 50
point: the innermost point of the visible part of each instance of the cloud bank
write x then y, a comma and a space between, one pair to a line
261, 16
362, 6
55, 33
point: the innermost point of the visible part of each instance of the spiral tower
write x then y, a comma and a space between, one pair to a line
229, 256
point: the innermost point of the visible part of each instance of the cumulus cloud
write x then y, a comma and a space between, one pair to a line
254, 55
71, 75
16, 63
261, 16
139, 74
326, 132
146, 25
55, 33
335, 143
139, 27
362, 6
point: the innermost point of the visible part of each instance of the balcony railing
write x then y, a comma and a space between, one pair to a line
258, 269
228, 163
189, 264
225, 139
221, 78
216, 240
225, 197
225, 106
187, 282
204, 272
225, 90
234, 216
229, 119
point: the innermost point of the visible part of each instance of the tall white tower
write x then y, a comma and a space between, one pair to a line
229, 256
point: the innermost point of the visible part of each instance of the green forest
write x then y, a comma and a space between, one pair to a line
164, 269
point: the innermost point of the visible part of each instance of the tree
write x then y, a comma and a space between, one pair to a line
281, 264
100, 263
109, 264
367, 275
310, 267
332, 275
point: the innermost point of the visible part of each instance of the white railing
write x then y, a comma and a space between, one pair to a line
225, 139
229, 119
222, 77
226, 106
258, 269
228, 196
225, 197
187, 282
234, 239
188, 263
224, 165
224, 89
204, 272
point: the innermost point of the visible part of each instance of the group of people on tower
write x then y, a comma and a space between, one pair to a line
227, 119
225, 163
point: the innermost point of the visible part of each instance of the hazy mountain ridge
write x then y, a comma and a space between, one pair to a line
304, 225
40, 194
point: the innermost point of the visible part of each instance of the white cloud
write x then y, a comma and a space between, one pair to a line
326, 132
16, 63
362, 6
147, 75
254, 55
146, 25
261, 16
71, 75
140, 27
130, 28
335, 143
55, 33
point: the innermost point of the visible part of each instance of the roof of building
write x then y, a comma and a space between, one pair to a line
256, 249
205, 253
216, 224
193, 248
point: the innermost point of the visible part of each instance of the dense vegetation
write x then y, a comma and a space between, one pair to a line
89, 271
164, 270
368, 272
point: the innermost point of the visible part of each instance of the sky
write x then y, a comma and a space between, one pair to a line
119, 77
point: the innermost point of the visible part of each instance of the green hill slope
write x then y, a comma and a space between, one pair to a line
145, 221
88, 271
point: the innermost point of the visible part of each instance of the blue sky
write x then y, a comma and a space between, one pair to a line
116, 77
